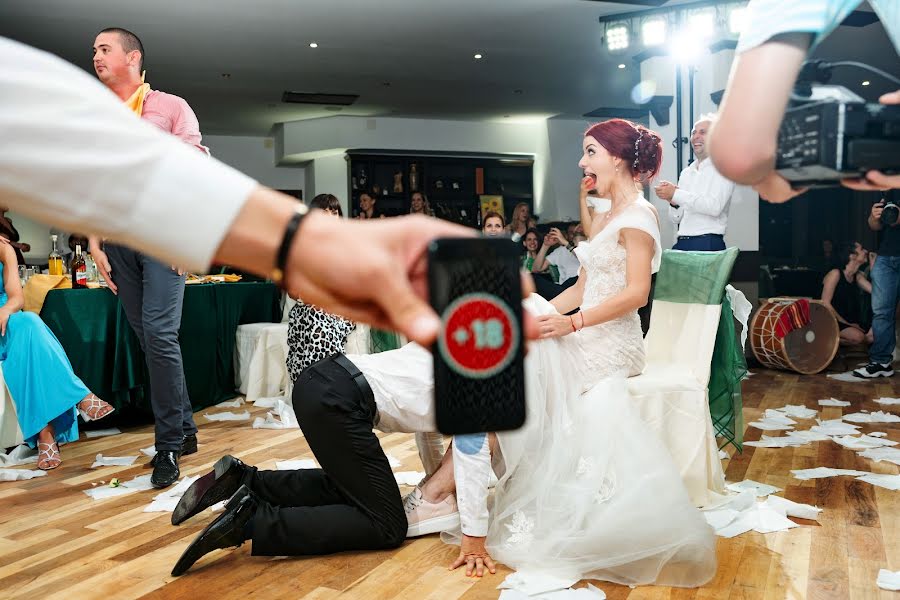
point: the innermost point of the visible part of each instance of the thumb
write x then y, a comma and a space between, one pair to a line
890, 98
408, 313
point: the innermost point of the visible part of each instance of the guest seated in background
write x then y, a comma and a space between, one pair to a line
314, 334
557, 251
8, 231
47, 394
532, 222
367, 208
518, 222
842, 290
493, 224
418, 205
531, 242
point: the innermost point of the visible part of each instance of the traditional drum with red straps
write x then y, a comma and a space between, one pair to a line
795, 334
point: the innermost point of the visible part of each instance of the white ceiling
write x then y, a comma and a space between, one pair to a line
403, 57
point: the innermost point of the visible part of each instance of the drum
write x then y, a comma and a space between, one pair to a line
807, 349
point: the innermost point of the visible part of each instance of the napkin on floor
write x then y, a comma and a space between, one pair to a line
790, 508
138, 484
760, 489
863, 442
820, 472
231, 403
876, 417
891, 482
888, 580
409, 477
20, 455
95, 433
833, 402
168, 500
532, 583
228, 416
888, 401
891, 455
293, 465
20, 474
113, 461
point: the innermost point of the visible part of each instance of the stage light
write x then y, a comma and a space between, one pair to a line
622, 66
737, 19
865, 83
702, 23
653, 32
687, 47
617, 37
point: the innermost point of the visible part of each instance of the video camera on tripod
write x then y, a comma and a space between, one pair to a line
829, 133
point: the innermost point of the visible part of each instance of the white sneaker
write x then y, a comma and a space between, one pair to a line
426, 517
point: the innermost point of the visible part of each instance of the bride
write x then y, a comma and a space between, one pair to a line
586, 490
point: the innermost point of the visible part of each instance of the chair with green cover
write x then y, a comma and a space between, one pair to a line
690, 390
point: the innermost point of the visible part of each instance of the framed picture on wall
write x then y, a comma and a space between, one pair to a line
491, 203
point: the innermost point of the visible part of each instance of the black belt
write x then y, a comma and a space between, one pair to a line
359, 379
705, 235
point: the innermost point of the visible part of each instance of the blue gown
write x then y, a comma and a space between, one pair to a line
39, 377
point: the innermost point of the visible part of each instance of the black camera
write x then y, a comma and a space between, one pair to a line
890, 215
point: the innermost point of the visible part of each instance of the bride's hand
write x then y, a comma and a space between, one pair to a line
474, 555
554, 325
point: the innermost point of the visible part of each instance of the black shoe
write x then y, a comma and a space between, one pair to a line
225, 532
219, 484
188, 446
873, 370
165, 470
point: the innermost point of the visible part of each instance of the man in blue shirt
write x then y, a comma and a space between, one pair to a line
771, 50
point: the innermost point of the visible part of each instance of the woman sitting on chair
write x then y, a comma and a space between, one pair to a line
841, 291
46, 393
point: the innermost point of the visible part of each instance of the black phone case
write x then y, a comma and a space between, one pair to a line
474, 404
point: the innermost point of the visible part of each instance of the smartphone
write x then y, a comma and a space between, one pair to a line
475, 287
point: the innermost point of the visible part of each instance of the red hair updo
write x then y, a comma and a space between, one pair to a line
639, 148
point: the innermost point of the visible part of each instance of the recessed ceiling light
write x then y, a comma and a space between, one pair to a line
865, 83
621, 65
478, 57
226, 75
313, 45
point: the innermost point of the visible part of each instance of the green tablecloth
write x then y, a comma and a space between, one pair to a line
105, 353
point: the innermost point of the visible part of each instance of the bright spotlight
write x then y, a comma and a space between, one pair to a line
617, 37
687, 47
702, 24
737, 20
653, 32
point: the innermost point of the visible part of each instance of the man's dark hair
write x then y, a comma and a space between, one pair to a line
130, 42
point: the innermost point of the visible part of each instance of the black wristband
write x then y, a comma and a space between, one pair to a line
290, 232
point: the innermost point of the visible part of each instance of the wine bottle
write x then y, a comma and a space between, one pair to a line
78, 269
55, 261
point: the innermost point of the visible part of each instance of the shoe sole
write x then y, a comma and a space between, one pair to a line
875, 376
201, 500
433, 525
187, 560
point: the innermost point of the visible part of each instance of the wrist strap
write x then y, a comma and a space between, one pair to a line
290, 232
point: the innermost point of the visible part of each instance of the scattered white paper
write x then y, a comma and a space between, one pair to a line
790, 508
771, 424
888, 580
833, 402
586, 593
267, 402
228, 416
798, 411
759, 517
891, 455
834, 427
392, 461
113, 461
849, 377
20, 455
760, 489
218, 506
20, 474
168, 500
151, 451
888, 401
412, 478
138, 484
737, 502
532, 583
102, 432
891, 482
718, 519
876, 417
820, 472
878, 434
295, 465
723, 454
281, 417
863, 442
809, 436
778, 442
236, 403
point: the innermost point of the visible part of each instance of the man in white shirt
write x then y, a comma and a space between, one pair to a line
699, 203
562, 256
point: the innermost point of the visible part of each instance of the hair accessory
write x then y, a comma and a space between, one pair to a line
637, 143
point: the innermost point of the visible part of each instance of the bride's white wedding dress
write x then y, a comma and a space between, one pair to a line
588, 490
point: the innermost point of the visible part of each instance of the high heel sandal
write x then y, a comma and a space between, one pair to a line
96, 408
50, 458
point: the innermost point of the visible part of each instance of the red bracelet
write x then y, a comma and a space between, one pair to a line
582, 319
573, 324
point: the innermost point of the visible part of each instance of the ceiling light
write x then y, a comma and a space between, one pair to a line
865, 82
313, 45
737, 20
653, 32
617, 37
702, 23
621, 65
478, 57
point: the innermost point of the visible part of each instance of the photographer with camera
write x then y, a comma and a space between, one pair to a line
885, 276
770, 53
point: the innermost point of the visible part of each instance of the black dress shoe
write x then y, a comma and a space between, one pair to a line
188, 446
165, 470
225, 532
219, 484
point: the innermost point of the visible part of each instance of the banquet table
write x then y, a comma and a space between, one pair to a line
105, 353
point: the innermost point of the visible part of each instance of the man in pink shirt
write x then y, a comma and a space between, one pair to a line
151, 292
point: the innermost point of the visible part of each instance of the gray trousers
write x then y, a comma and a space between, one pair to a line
152, 294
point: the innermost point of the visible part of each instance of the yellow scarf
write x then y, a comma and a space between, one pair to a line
136, 101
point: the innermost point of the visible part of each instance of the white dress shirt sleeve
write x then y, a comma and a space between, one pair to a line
709, 193
73, 156
676, 214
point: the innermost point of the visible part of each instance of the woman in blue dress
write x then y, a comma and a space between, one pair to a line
47, 394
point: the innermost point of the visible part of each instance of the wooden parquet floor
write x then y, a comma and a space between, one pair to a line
55, 542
